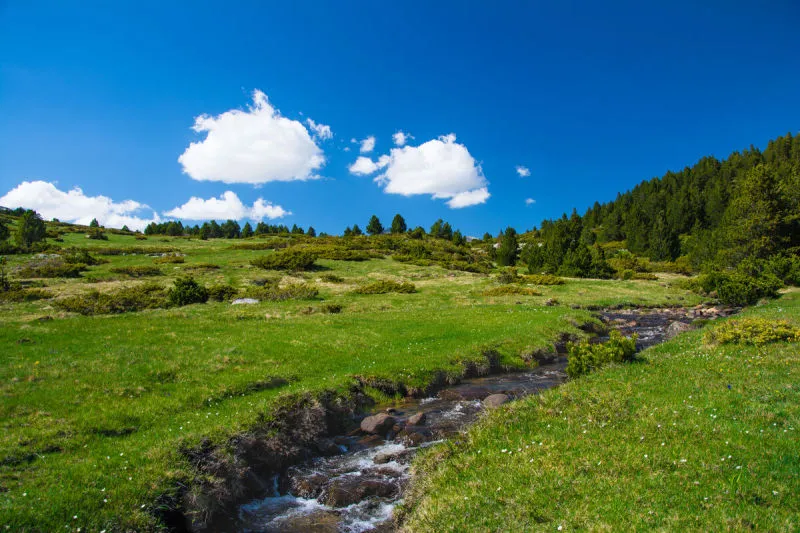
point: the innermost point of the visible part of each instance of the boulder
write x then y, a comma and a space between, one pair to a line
417, 419
378, 424
353, 489
676, 328
244, 301
495, 400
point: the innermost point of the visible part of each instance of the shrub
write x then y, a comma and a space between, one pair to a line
187, 291
96, 234
508, 275
543, 279
332, 278
295, 291
736, 288
140, 237
508, 290
585, 357
81, 255
292, 260
128, 299
385, 287
51, 267
464, 266
17, 294
135, 250
137, 271
644, 275
169, 259
755, 331
270, 244
222, 293
331, 308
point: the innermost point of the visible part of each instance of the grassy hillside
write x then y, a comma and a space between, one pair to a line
95, 408
693, 437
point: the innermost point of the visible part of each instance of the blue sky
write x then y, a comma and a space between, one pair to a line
590, 98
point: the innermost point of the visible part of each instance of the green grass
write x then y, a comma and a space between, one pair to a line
693, 437
94, 409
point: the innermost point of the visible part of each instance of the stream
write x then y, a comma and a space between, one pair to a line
357, 486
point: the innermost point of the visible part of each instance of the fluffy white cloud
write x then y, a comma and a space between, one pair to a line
368, 144
228, 205
529, 201
523, 172
440, 167
400, 138
365, 165
322, 132
75, 207
253, 146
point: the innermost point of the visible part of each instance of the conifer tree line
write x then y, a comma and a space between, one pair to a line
715, 214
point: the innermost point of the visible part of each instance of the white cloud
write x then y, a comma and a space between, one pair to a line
364, 165
523, 172
529, 201
322, 132
353, 140
400, 138
440, 167
253, 146
368, 144
346, 148
75, 207
228, 205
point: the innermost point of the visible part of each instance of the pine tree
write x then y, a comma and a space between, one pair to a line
357, 231
94, 223
311, 232
398, 224
374, 226
508, 251
247, 230
30, 229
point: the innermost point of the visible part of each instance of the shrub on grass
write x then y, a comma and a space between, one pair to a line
128, 299
736, 288
222, 293
332, 309
96, 234
140, 237
51, 267
644, 276
269, 244
543, 279
17, 294
508, 275
292, 260
585, 357
201, 267
137, 271
332, 278
274, 293
508, 290
385, 287
81, 255
187, 291
755, 331
135, 250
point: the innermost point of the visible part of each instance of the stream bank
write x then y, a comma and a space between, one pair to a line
331, 479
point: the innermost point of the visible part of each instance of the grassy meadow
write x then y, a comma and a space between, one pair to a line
96, 408
694, 436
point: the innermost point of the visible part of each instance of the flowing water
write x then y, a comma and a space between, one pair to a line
356, 490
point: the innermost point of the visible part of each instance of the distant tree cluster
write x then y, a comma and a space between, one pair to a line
716, 213
440, 229
229, 229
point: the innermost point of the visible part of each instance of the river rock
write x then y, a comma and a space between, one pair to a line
327, 447
495, 400
353, 489
417, 419
308, 486
402, 457
378, 424
676, 328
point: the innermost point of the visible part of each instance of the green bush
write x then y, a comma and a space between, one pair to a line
202, 267
222, 293
137, 271
385, 287
585, 357
50, 267
736, 288
96, 234
274, 293
644, 275
508, 275
187, 291
292, 260
543, 279
128, 299
135, 250
508, 290
331, 308
17, 294
332, 278
753, 331
269, 244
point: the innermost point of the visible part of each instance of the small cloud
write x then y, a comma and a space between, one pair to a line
322, 132
76, 207
368, 144
529, 201
346, 148
255, 146
400, 138
364, 165
227, 206
523, 172
440, 167
353, 140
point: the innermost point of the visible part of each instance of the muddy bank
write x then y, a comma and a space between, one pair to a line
319, 464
